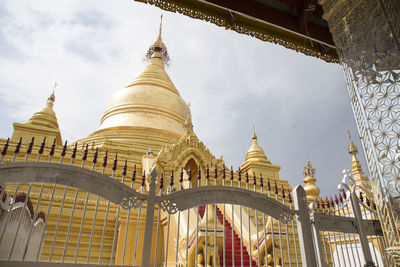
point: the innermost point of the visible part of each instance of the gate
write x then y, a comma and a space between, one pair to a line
58, 213
346, 230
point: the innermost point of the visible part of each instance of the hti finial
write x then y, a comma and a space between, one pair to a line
160, 29
158, 46
309, 170
52, 96
352, 147
254, 137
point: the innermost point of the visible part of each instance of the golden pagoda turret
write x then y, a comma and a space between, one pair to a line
356, 169
148, 112
312, 190
42, 124
257, 162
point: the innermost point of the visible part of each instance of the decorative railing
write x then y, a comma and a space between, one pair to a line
96, 212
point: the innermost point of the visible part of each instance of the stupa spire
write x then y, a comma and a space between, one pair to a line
46, 116
255, 152
41, 124
52, 97
353, 150
158, 48
312, 190
188, 122
356, 169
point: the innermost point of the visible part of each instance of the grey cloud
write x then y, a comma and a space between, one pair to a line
83, 50
8, 50
93, 19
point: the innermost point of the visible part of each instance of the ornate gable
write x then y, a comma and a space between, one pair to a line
175, 156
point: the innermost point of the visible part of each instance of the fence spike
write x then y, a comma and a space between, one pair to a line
328, 205
162, 181
276, 188
215, 172
340, 198
125, 168
114, 167
73, 156
283, 192
95, 155
64, 149
289, 197
105, 159
239, 175
268, 185
30, 146
18, 146
254, 179
336, 200
198, 174
41, 149
231, 173
53, 148
261, 180
223, 172
247, 177
207, 172
171, 180
85, 153
322, 204
332, 203
5, 147
344, 195
181, 176
143, 178
134, 174
190, 173
361, 197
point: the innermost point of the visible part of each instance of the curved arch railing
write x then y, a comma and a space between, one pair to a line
193, 197
84, 179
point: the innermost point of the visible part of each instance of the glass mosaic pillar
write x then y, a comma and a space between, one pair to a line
366, 34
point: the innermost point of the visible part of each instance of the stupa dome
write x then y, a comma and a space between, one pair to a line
149, 101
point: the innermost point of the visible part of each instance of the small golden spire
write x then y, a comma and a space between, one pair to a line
352, 147
312, 191
255, 152
188, 123
309, 170
52, 97
254, 137
158, 48
46, 116
356, 169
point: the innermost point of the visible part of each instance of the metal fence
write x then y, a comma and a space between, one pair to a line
55, 211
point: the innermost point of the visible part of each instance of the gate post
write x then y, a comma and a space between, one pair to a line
307, 249
317, 241
148, 230
361, 233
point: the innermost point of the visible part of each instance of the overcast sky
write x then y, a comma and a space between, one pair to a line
298, 104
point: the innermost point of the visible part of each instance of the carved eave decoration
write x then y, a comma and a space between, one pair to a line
173, 157
243, 24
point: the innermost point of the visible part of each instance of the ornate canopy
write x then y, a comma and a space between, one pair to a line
294, 24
